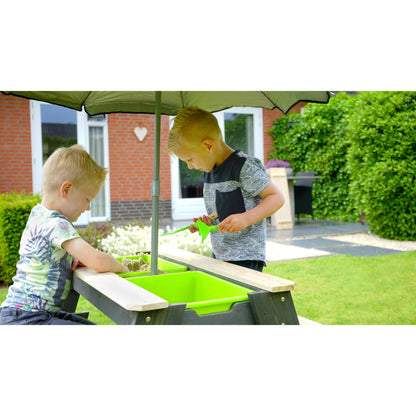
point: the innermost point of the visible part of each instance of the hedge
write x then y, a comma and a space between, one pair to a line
14, 212
315, 139
382, 162
364, 147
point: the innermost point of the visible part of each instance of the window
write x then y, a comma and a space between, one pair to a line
54, 126
59, 128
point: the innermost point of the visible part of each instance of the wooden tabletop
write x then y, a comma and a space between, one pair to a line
126, 294
220, 268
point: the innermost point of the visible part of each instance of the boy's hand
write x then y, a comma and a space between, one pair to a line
205, 219
233, 223
76, 263
125, 269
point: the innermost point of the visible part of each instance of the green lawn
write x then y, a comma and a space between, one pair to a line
348, 290
378, 290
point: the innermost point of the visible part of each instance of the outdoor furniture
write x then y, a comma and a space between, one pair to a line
284, 218
269, 299
303, 194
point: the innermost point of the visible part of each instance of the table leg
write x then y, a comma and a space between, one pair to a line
273, 308
71, 302
292, 198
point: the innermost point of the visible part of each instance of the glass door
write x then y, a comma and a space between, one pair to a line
55, 126
242, 129
59, 128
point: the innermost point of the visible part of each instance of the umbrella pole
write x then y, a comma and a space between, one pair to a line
156, 188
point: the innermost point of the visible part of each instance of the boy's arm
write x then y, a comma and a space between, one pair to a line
90, 257
273, 200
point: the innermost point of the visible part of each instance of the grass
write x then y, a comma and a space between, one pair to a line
339, 290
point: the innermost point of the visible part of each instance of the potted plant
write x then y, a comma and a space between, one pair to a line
277, 163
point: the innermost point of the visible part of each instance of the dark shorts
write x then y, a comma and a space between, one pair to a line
14, 316
250, 264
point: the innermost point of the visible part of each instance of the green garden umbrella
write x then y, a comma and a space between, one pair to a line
169, 103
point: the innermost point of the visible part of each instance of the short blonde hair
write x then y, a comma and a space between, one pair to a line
71, 164
192, 124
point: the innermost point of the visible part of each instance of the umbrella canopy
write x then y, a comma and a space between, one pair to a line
99, 102
169, 103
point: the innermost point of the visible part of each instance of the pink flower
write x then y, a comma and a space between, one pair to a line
277, 163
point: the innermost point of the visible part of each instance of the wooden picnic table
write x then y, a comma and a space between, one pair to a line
126, 303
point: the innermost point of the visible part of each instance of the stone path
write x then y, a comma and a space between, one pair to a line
354, 244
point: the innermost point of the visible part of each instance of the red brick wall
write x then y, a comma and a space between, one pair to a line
15, 145
268, 117
131, 161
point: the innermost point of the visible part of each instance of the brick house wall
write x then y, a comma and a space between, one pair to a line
268, 117
15, 145
131, 167
130, 161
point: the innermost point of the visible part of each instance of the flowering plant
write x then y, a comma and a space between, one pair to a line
277, 163
127, 240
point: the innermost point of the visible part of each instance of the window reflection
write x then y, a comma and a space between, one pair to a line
59, 128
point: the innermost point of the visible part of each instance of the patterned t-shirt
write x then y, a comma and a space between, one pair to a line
232, 188
43, 276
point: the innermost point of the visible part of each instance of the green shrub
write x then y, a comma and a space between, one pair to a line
14, 212
95, 232
382, 162
316, 139
364, 147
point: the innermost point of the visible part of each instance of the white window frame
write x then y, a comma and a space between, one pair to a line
104, 125
82, 136
188, 208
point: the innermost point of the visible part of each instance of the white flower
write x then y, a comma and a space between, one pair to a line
127, 240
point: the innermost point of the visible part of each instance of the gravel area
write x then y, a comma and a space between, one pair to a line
374, 240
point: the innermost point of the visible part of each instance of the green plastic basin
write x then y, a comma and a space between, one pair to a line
164, 265
200, 291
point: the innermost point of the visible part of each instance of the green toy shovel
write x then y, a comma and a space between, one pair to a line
202, 228
176, 231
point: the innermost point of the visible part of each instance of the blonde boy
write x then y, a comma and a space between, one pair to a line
236, 187
51, 247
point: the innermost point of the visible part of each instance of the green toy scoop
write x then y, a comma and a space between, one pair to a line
176, 231
203, 229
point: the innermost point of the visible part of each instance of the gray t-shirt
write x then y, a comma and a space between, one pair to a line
232, 188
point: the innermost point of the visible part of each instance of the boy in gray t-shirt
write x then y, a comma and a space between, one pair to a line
236, 187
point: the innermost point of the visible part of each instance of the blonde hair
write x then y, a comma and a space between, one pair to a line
71, 164
193, 125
